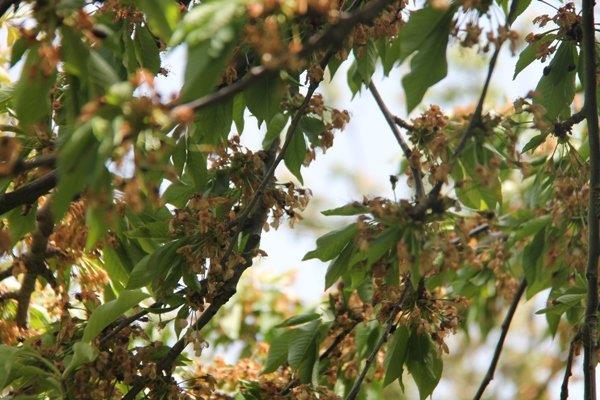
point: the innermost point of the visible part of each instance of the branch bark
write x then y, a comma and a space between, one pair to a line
28, 193
489, 376
591, 106
34, 262
564, 388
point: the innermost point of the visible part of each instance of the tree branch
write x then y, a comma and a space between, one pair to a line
45, 161
389, 329
564, 388
402, 123
34, 262
391, 121
28, 193
503, 332
590, 325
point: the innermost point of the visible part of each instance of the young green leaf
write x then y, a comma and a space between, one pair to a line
331, 244
396, 355
295, 154
529, 54
104, 315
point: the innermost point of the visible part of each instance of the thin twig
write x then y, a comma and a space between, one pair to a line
361, 377
503, 332
590, 325
416, 172
403, 124
389, 329
564, 388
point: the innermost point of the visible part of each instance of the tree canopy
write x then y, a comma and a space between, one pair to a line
129, 218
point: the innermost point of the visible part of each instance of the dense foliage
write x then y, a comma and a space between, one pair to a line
127, 219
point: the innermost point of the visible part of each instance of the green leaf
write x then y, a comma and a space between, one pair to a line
7, 360
101, 75
213, 123
274, 129
300, 342
528, 55
571, 298
154, 265
263, 98
421, 25
532, 226
556, 89
178, 194
75, 53
396, 355
355, 208
339, 266
83, 353
107, 313
534, 143
532, 263
429, 65
31, 98
114, 267
521, 7
162, 16
424, 363
196, 167
147, 51
367, 62
298, 319
206, 63
20, 222
278, 351
383, 243
331, 244
207, 21
295, 154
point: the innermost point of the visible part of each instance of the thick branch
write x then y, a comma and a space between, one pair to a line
503, 332
27, 194
590, 324
391, 121
34, 262
45, 161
